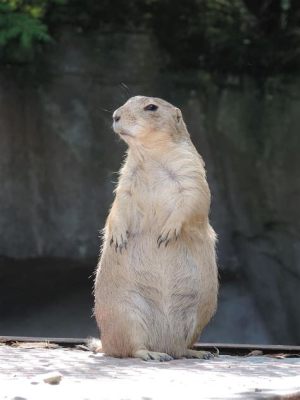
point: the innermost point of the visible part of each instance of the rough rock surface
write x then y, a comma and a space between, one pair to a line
93, 376
59, 155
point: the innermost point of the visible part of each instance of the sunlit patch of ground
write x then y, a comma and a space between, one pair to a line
93, 376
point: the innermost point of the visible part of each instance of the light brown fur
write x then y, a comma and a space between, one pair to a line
156, 284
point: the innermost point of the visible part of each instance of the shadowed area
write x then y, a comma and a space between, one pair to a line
40, 297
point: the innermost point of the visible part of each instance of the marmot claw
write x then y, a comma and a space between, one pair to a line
119, 243
167, 237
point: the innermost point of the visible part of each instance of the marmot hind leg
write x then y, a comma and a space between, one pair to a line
125, 336
147, 355
204, 355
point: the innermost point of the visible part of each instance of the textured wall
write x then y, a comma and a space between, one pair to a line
59, 155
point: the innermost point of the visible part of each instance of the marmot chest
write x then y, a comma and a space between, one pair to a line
155, 191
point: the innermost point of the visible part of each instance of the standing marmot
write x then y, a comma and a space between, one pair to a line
156, 284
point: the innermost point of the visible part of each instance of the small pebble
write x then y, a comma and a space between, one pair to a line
53, 378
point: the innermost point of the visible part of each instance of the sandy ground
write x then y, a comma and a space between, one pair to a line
87, 376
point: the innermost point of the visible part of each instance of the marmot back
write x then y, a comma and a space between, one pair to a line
156, 284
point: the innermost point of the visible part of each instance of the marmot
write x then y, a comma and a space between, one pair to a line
157, 282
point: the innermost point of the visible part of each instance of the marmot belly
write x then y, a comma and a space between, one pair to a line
169, 294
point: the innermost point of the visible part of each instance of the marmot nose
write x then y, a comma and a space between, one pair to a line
116, 118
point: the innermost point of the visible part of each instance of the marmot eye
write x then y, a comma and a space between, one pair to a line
151, 107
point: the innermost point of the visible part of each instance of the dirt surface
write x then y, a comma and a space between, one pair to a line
24, 373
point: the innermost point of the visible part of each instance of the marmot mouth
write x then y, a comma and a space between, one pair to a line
123, 133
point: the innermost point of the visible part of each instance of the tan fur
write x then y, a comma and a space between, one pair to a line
156, 284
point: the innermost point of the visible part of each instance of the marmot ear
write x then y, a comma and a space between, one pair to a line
178, 114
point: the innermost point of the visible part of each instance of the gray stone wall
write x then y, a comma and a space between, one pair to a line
59, 157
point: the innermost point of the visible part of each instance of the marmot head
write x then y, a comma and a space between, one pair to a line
148, 120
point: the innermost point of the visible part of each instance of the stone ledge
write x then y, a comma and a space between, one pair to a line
93, 376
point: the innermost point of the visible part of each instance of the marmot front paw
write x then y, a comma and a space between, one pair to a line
168, 233
119, 240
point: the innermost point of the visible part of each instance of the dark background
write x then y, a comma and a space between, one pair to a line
233, 69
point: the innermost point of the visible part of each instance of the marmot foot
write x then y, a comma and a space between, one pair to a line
147, 355
204, 355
